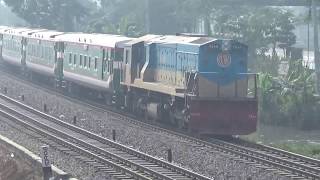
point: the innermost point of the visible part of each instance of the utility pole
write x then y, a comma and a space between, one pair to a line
316, 44
147, 16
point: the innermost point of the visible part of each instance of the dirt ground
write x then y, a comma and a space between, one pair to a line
13, 167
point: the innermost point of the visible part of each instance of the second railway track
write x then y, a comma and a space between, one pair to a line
121, 161
283, 162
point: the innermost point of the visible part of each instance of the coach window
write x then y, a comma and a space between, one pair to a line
127, 56
46, 53
85, 61
108, 70
89, 62
113, 54
13, 46
95, 63
75, 59
42, 52
70, 58
107, 54
50, 52
33, 50
80, 60
38, 51
104, 64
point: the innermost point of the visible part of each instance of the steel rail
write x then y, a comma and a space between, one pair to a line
81, 143
278, 152
308, 167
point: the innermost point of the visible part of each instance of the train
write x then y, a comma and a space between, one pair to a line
194, 83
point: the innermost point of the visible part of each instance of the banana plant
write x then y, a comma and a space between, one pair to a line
290, 100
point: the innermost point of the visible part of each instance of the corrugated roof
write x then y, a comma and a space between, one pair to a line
203, 40
106, 40
46, 35
28, 33
17, 31
175, 39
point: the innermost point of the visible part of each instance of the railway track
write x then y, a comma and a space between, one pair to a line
282, 162
120, 161
293, 165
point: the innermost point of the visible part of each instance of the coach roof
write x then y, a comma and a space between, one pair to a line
46, 35
106, 40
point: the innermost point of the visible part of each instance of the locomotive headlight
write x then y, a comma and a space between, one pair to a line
226, 45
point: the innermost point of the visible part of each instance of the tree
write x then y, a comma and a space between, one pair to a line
8, 18
118, 17
51, 14
291, 99
256, 27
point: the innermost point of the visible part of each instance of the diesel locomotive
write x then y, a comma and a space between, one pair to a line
196, 83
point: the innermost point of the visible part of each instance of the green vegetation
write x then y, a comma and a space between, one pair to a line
303, 148
51, 14
290, 100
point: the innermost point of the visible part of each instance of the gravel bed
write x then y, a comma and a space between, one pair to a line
15, 167
200, 159
73, 166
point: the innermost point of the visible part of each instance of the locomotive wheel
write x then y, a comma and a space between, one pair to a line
108, 99
145, 116
69, 88
180, 124
172, 119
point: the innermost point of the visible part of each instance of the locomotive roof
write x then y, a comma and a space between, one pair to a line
150, 38
106, 40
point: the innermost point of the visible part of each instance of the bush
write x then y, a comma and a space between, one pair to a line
291, 99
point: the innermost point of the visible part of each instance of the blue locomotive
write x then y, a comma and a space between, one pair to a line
199, 84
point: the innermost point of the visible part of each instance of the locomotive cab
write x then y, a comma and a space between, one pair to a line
222, 72
223, 98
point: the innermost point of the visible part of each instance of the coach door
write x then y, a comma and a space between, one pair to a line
104, 63
1, 44
23, 51
127, 65
137, 59
133, 60
58, 63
